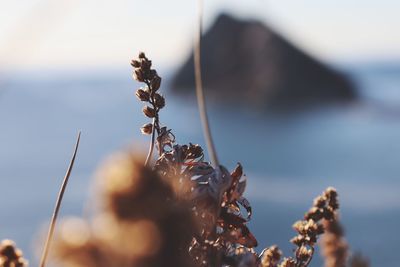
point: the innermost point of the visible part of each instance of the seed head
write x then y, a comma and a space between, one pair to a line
142, 95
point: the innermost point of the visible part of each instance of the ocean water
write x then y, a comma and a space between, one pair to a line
288, 158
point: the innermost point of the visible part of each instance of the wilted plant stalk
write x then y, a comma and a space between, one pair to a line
144, 73
58, 205
200, 92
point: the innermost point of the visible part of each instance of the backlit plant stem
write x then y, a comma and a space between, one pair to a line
200, 93
151, 148
58, 205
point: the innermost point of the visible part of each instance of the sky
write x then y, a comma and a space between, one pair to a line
99, 33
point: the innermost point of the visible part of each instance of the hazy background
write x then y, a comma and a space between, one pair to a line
64, 66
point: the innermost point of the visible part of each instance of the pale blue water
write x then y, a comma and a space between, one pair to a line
288, 159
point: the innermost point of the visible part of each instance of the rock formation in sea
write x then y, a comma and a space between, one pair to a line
247, 63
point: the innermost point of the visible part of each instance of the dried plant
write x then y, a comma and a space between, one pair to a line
182, 211
148, 94
216, 195
322, 212
179, 210
311, 227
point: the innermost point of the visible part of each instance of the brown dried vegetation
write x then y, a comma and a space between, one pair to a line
179, 210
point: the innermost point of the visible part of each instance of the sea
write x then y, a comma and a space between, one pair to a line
289, 158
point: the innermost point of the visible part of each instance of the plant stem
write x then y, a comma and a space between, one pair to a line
200, 93
58, 205
151, 148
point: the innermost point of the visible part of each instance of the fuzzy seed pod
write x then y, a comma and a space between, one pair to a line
147, 128
142, 95
149, 112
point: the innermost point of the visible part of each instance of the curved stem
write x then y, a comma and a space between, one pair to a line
151, 148
200, 93
58, 205
215, 258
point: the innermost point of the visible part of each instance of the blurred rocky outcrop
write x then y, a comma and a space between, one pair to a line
247, 63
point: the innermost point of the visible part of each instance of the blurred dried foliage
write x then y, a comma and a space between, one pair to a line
140, 222
10, 255
178, 210
334, 246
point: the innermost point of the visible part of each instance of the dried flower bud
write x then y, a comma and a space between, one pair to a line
314, 213
142, 95
311, 226
299, 226
142, 55
138, 75
303, 253
159, 100
149, 112
145, 65
298, 240
147, 128
330, 192
270, 256
135, 63
156, 82
328, 213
